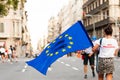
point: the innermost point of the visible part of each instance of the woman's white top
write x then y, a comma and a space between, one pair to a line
107, 47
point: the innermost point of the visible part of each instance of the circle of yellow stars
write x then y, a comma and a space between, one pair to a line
69, 46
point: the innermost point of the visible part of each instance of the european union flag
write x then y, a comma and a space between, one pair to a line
73, 39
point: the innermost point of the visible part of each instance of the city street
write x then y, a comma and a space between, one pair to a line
53, 28
65, 68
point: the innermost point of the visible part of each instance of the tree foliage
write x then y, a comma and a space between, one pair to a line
13, 3
5, 6
3, 10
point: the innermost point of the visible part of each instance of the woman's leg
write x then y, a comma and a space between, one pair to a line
109, 76
3, 57
100, 76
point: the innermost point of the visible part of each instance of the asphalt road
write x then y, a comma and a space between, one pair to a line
63, 69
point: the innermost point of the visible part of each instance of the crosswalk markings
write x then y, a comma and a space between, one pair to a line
49, 69
24, 69
68, 65
75, 68
25, 66
62, 62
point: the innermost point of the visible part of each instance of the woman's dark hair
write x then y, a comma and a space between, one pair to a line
108, 30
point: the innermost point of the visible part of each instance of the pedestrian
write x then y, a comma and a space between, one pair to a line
2, 53
88, 56
6, 54
14, 54
11, 48
107, 51
10, 54
78, 53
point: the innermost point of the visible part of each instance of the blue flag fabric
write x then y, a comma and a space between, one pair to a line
73, 39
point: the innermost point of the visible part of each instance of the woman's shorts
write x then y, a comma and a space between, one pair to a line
105, 65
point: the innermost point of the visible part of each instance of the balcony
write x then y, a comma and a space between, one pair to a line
99, 24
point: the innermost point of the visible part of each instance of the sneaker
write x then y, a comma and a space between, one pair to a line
93, 74
85, 76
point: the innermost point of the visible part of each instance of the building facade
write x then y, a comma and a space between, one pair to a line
67, 16
98, 14
13, 28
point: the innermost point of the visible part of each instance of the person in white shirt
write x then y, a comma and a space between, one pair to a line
89, 56
2, 53
108, 50
10, 55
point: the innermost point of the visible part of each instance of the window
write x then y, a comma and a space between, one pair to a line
99, 2
103, 1
107, 12
1, 27
13, 27
96, 4
93, 5
118, 21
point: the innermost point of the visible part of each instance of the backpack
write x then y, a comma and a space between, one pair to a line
97, 56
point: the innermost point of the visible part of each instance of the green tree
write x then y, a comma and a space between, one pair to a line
3, 10
13, 3
5, 6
